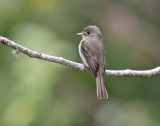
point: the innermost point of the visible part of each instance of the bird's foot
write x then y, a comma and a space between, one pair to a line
86, 67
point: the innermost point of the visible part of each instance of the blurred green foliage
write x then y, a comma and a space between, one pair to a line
39, 93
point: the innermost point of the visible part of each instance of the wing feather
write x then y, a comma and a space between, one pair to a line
91, 58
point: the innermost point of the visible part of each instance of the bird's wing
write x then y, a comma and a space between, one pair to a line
90, 57
104, 59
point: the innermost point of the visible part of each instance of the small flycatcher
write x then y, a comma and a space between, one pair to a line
92, 52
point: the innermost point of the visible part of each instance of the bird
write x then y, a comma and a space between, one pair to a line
92, 53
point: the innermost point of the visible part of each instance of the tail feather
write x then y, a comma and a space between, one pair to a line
101, 90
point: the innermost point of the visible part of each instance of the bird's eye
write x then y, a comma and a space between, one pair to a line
88, 32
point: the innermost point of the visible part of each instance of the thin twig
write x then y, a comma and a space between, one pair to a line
60, 60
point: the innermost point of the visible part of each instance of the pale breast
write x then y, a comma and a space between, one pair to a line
81, 54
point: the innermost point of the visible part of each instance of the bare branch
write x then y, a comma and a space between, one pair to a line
60, 60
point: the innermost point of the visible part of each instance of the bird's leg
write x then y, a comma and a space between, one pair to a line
86, 67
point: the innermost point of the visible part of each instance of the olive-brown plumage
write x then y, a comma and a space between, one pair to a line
92, 52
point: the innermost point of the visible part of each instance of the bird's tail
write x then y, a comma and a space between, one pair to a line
101, 90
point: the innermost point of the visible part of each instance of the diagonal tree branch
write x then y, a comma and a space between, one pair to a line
60, 60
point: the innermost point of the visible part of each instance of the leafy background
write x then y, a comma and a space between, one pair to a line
39, 93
